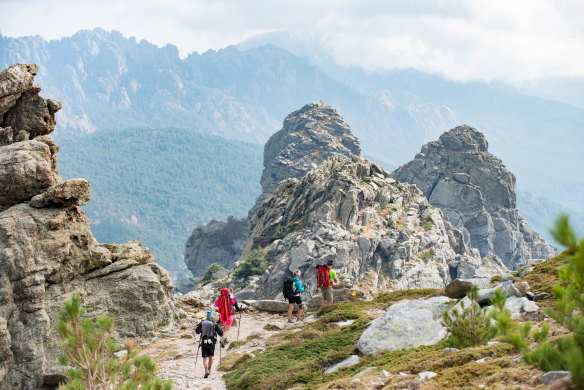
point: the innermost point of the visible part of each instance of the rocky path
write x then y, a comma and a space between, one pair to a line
175, 355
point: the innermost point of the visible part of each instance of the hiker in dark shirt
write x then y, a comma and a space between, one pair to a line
208, 329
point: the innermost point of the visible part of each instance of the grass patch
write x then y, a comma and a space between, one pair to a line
395, 296
299, 358
545, 275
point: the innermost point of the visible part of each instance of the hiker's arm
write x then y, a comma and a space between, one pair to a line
218, 330
198, 329
298, 286
237, 307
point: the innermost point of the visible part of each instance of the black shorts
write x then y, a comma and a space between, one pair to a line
296, 300
208, 350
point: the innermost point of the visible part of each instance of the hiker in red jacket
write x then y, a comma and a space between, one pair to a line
226, 302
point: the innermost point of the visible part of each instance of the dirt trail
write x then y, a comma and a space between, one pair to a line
175, 355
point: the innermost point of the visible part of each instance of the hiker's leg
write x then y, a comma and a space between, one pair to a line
299, 314
290, 310
206, 363
323, 292
210, 363
329, 295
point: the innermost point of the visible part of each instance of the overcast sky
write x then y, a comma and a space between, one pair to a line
509, 40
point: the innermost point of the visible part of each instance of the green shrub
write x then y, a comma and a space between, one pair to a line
470, 327
89, 350
427, 225
280, 233
426, 256
211, 269
254, 264
566, 352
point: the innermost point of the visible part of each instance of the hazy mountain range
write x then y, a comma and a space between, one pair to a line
108, 83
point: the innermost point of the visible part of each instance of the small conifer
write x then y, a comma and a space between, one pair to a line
469, 327
88, 354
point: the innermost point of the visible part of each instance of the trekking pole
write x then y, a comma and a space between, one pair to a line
197, 354
220, 348
307, 289
239, 324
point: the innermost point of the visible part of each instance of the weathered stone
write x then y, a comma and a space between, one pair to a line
350, 361
426, 375
13, 81
49, 253
273, 306
334, 213
477, 193
6, 136
216, 242
406, 324
307, 138
550, 376
522, 286
26, 169
364, 372
457, 289
526, 271
185, 285
507, 288
519, 306
72, 192
274, 326
32, 113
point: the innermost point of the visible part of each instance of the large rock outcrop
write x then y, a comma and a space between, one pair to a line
308, 137
47, 251
217, 241
477, 193
380, 233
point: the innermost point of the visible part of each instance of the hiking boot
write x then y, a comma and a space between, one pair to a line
207, 372
298, 319
290, 321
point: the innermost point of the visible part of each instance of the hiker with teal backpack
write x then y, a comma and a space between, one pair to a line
326, 277
291, 290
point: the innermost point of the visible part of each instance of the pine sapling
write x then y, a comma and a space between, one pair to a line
88, 351
470, 327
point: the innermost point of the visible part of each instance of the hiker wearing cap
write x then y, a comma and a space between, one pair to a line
293, 295
225, 303
326, 277
208, 329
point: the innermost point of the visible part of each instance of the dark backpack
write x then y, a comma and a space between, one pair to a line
322, 276
288, 289
208, 333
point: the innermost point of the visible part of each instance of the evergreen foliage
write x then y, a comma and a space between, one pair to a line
254, 264
470, 327
566, 353
156, 185
89, 349
211, 269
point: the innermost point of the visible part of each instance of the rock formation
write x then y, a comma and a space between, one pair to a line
47, 251
477, 193
217, 241
308, 137
406, 324
380, 233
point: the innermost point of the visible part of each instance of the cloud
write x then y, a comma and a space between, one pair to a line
509, 40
